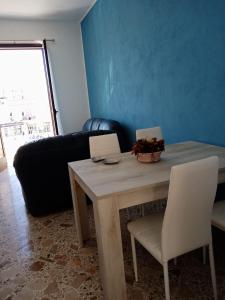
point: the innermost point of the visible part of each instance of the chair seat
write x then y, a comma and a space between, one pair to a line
147, 231
218, 215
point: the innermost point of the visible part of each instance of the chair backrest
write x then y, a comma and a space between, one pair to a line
104, 145
149, 133
187, 219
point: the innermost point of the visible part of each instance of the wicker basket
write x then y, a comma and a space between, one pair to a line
149, 157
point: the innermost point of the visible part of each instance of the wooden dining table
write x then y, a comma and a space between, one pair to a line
115, 187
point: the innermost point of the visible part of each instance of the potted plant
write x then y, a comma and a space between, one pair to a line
148, 150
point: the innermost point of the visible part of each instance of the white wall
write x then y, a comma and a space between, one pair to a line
67, 62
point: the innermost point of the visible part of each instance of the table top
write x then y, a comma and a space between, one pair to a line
100, 180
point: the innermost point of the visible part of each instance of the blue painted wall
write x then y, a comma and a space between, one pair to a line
158, 62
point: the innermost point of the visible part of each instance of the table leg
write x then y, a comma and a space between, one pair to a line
80, 210
108, 231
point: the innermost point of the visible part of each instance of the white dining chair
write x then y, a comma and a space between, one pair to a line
149, 133
186, 223
218, 220
102, 145
218, 215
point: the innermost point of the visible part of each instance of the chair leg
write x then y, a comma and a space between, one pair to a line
212, 267
166, 280
204, 254
134, 256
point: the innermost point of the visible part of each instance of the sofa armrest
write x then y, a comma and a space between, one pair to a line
105, 124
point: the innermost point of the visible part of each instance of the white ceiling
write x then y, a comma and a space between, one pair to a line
45, 9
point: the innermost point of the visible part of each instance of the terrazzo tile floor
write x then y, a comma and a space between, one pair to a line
40, 259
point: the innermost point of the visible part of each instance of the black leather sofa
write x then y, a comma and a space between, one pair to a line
42, 170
